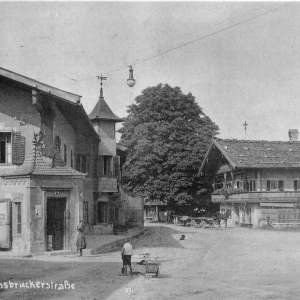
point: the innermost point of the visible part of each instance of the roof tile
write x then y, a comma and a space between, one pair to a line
255, 154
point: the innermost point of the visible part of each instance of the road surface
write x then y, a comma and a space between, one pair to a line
232, 263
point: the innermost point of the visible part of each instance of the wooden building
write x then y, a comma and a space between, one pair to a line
256, 182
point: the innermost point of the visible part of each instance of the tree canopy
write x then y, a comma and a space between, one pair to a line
167, 135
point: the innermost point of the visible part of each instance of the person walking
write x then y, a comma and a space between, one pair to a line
81, 241
126, 254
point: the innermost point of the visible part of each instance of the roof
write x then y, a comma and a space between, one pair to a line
257, 154
36, 164
68, 103
121, 147
102, 112
36, 85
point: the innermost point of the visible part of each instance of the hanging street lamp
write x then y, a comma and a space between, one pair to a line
130, 80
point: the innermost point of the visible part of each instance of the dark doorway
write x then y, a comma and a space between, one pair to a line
102, 212
56, 223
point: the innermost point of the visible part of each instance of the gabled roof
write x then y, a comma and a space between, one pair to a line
68, 103
40, 86
247, 154
36, 164
102, 112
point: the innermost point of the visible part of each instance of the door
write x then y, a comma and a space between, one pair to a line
5, 223
56, 221
102, 212
242, 214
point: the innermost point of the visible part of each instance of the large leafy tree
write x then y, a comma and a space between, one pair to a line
167, 135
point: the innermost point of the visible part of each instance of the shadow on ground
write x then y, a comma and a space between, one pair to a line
99, 279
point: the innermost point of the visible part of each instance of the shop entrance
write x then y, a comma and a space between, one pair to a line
56, 223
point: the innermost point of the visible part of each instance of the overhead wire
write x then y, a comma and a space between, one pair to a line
190, 42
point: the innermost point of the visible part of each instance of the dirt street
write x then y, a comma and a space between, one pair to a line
209, 264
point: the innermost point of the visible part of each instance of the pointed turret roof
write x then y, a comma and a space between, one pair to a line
102, 112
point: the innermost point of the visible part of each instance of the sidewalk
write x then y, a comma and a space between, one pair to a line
96, 244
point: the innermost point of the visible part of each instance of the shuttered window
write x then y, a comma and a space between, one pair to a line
82, 163
12, 148
280, 185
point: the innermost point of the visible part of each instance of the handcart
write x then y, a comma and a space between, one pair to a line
152, 268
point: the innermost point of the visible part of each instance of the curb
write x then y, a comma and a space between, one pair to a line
116, 244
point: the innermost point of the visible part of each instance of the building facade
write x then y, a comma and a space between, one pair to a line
256, 183
48, 154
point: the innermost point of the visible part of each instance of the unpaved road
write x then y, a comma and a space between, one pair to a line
209, 264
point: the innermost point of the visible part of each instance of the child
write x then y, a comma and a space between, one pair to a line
126, 254
81, 242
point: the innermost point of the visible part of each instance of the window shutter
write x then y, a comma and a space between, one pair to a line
18, 148
295, 185
268, 185
280, 185
87, 168
100, 166
254, 187
78, 160
117, 166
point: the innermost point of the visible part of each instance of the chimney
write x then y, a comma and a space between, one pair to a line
293, 135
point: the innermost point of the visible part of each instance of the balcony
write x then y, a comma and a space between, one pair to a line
108, 185
258, 191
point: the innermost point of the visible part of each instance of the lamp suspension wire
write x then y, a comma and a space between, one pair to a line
192, 41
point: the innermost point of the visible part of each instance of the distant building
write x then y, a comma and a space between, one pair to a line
256, 182
155, 210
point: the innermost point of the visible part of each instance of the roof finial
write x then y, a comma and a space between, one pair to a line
245, 125
101, 90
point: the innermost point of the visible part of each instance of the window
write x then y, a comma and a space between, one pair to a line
272, 185
107, 166
85, 212
252, 185
82, 163
280, 185
5, 148
102, 212
296, 185
12, 148
65, 153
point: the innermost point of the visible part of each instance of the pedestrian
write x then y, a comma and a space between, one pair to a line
81, 241
126, 254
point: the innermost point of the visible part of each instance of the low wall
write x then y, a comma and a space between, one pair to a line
99, 229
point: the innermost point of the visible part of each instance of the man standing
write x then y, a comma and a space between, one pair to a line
126, 254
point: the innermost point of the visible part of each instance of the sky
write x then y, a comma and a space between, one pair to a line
240, 60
